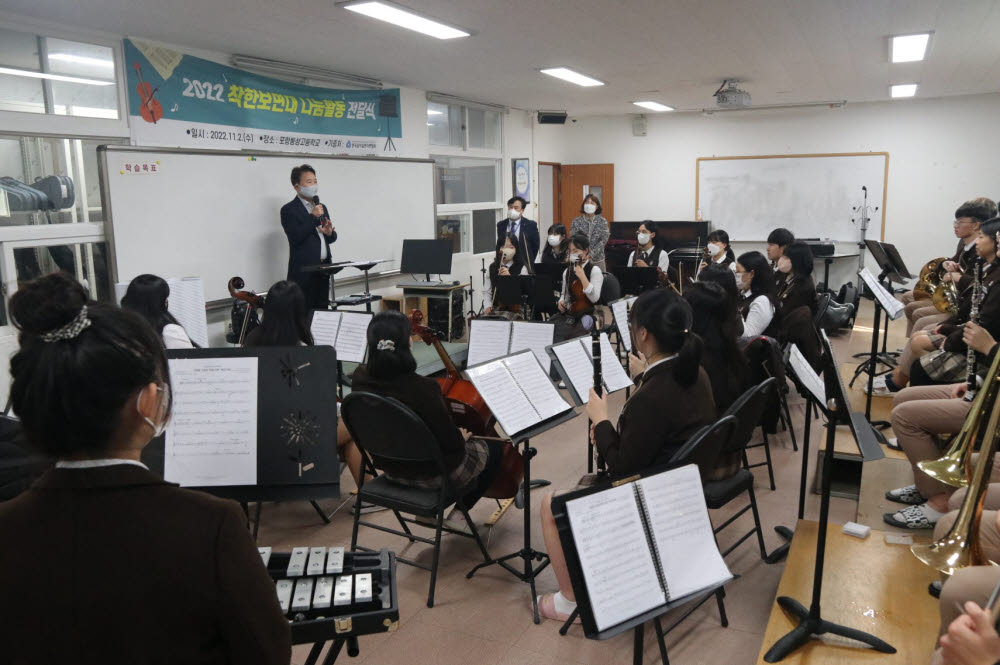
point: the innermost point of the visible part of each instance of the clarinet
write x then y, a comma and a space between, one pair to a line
595, 350
970, 353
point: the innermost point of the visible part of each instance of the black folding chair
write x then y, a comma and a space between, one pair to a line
387, 430
718, 493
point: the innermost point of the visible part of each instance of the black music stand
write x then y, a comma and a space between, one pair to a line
328, 269
296, 426
527, 554
636, 280
810, 620
888, 259
367, 298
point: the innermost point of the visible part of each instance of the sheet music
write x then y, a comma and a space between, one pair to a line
488, 340
535, 383
689, 556
892, 307
614, 375
533, 336
352, 338
578, 366
806, 374
512, 409
615, 556
187, 304
619, 309
212, 436
324, 327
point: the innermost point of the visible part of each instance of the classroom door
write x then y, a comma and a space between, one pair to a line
578, 180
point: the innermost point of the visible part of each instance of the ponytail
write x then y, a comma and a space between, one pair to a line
667, 317
688, 361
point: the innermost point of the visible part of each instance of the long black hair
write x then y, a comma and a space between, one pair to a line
70, 392
801, 256
763, 277
710, 308
722, 237
147, 296
498, 257
389, 352
558, 230
667, 317
284, 322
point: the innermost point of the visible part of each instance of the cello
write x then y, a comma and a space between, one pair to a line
253, 301
467, 407
150, 109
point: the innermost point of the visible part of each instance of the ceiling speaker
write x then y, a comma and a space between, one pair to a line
552, 117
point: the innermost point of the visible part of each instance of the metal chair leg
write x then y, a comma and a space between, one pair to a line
756, 523
767, 454
660, 641
788, 419
720, 596
437, 554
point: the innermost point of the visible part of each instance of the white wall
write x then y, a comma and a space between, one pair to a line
941, 153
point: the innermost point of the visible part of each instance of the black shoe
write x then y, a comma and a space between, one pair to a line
934, 588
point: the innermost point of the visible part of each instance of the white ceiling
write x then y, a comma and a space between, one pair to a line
673, 51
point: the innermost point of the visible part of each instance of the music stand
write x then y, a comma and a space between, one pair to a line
507, 291
296, 426
811, 621
328, 269
636, 280
554, 271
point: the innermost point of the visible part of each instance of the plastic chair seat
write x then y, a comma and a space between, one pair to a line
720, 492
416, 500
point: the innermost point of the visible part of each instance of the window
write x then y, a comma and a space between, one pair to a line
465, 179
484, 129
484, 230
57, 76
85, 261
445, 124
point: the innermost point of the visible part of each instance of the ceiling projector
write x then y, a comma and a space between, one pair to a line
730, 96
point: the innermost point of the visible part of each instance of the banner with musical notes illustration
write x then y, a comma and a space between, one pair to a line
176, 99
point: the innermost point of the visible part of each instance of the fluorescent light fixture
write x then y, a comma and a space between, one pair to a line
404, 18
302, 72
910, 48
904, 90
571, 76
52, 77
82, 60
654, 106
433, 112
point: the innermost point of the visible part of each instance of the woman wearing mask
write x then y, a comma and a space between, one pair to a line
591, 224
647, 254
798, 288
718, 251
506, 263
147, 296
556, 244
759, 308
176, 569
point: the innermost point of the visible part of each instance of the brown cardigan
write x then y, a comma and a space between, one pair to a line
115, 565
656, 420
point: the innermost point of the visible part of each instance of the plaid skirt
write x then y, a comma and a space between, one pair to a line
944, 366
463, 475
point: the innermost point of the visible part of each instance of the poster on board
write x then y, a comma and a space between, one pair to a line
178, 100
521, 167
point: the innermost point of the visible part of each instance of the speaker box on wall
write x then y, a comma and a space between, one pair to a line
552, 117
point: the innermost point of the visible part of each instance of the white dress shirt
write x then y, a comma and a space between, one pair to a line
593, 291
759, 317
324, 251
663, 263
722, 257
174, 337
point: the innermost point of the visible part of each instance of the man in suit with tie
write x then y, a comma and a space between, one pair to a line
525, 229
310, 232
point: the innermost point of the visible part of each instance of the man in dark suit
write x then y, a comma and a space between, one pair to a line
310, 232
525, 229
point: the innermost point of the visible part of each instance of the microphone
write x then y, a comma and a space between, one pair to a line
864, 188
326, 215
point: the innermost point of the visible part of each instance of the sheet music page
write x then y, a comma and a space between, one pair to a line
488, 340
533, 336
615, 556
678, 517
187, 304
505, 399
535, 383
614, 375
578, 366
324, 327
807, 375
893, 307
212, 436
619, 309
352, 338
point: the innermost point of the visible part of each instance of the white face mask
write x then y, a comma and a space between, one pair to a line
554, 240
508, 253
742, 281
643, 238
574, 257
157, 429
513, 215
589, 208
309, 191
713, 249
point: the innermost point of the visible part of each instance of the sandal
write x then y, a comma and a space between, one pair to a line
913, 517
907, 495
547, 609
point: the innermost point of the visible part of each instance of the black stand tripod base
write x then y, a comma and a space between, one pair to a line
781, 551
810, 625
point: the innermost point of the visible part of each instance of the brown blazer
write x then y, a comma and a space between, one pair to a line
115, 565
656, 420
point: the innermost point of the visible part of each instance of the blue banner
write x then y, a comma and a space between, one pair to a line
177, 99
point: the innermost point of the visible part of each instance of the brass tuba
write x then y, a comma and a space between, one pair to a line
960, 546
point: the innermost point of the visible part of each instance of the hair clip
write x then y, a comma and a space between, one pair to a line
69, 331
386, 345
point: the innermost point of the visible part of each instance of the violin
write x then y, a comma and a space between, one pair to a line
467, 407
253, 301
578, 301
150, 109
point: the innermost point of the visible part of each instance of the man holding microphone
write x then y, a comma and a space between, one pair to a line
310, 232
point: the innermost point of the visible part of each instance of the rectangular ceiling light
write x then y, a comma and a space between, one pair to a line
654, 106
404, 18
909, 48
82, 60
433, 112
52, 77
904, 90
571, 76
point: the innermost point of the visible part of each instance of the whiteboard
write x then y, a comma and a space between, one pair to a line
813, 196
216, 214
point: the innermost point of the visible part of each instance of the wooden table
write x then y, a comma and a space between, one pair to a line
869, 585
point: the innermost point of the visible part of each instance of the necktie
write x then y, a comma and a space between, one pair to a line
513, 228
643, 257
